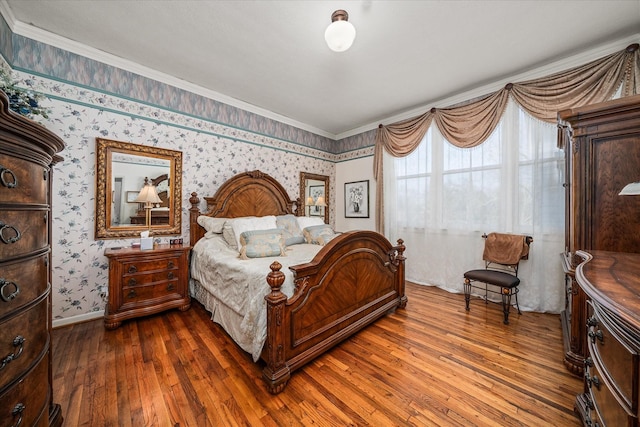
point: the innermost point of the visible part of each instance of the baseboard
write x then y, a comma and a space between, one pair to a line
57, 323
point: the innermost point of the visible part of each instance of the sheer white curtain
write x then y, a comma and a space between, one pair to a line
441, 199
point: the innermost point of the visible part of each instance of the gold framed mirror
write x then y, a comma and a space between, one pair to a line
122, 170
314, 195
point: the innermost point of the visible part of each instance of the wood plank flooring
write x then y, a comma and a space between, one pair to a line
431, 364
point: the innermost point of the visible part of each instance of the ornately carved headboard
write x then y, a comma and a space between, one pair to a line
247, 194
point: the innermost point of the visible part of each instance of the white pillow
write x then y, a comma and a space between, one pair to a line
211, 224
308, 221
240, 225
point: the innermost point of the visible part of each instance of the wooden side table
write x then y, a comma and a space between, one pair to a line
143, 282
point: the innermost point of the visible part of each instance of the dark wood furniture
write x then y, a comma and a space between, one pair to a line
355, 279
611, 282
602, 147
143, 282
157, 218
27, 153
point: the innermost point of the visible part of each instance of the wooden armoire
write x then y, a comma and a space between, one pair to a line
602, 152
27, 153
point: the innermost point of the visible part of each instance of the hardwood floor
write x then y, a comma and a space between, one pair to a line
431, 364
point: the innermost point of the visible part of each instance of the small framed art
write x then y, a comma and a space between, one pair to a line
356, 199
132, 196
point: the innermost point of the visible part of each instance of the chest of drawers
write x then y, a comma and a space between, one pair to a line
27, 153
611, 281
143, 282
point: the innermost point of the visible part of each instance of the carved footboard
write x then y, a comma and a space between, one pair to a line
354, 280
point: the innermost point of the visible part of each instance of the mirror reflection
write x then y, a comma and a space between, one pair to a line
314, 194
123, 209
130, 173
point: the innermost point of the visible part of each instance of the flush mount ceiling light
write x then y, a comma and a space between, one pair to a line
340, 34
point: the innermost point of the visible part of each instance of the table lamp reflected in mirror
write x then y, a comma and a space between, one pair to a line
149, 196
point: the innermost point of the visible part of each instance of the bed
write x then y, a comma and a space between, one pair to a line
350, 281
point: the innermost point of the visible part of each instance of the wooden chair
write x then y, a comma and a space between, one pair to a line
502, 255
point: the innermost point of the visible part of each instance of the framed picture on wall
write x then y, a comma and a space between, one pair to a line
316, 193
132, 196
356, 199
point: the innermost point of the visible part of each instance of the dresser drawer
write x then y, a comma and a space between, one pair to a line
21, 282
22, 232
614, 355
606, 406
27, 400
22, 181
151, 264
21, 342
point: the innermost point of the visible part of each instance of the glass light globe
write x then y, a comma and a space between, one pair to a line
340, 35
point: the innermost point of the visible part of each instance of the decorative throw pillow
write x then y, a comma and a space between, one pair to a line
234, 227
308, 221
291, 230
319, 234
212, 225
262, 243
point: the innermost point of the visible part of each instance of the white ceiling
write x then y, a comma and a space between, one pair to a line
270, 56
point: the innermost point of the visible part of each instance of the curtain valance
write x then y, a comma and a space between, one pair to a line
470, 124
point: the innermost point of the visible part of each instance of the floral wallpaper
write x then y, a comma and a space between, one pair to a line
89, 99
212, 153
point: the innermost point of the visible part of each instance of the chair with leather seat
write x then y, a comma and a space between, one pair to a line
502, 255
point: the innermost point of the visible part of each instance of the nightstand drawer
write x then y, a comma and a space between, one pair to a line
132, 280
152, 291
140, 266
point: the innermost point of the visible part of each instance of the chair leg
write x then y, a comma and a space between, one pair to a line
467, 293
517, 305
506, 304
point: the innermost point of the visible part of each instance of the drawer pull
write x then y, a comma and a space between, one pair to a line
18, 410
588, 362
133, 282
170, 275
170, 287
131, 294
598, 334
5, 173
171, 264
7, 239
593, 321
8, 290
17, 342
132, 269
592, 381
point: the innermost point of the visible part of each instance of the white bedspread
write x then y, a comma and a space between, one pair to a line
241, 286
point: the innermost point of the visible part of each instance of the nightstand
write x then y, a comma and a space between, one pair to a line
143, 282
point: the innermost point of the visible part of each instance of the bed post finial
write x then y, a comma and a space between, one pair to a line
276, 373
194, 212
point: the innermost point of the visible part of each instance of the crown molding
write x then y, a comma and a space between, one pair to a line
51, 39
542, 71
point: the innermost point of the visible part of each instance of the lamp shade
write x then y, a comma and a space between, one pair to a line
320, 201
148, 195
340, 34
309, 201
631, 189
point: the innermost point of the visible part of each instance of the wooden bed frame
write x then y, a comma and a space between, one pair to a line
355, 279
